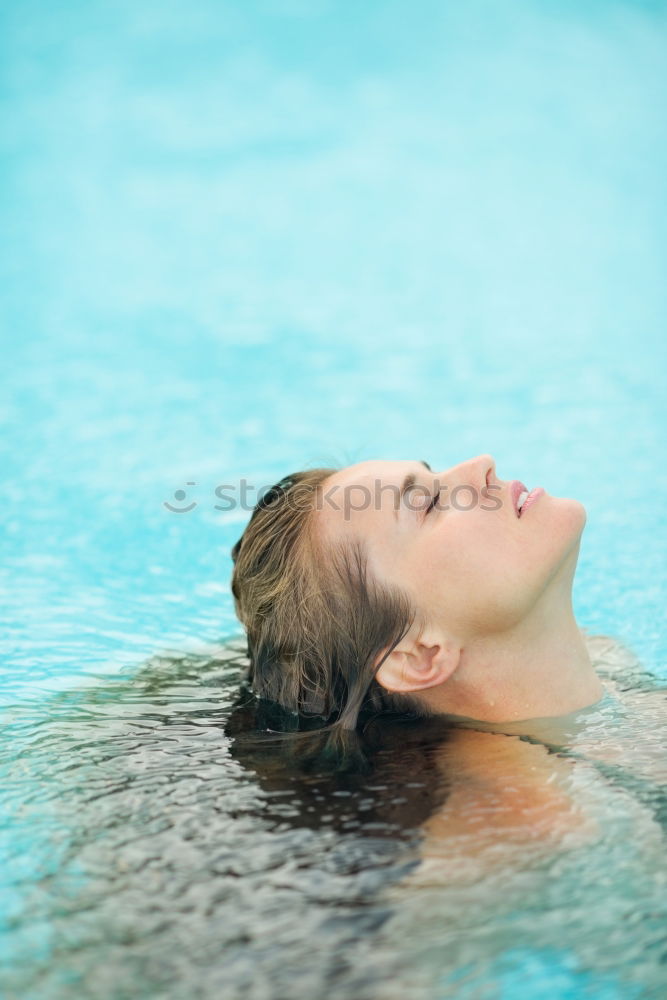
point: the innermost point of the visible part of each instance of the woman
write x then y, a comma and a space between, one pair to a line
387, 585
539, 795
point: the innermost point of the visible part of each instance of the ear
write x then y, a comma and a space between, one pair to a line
418, 665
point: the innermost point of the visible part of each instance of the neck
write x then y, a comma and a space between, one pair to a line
538, 669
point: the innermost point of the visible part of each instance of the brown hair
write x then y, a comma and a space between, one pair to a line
316, 619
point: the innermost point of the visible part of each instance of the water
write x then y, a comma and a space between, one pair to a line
241, 238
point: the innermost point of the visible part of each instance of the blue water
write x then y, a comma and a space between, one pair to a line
239, 238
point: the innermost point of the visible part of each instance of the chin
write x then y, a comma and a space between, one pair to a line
578, 512
563, 527
572, 516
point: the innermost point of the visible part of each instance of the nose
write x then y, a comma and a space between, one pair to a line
479, 471
487, 468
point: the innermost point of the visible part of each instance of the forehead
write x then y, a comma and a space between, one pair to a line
353, 496
372, 475
362, 472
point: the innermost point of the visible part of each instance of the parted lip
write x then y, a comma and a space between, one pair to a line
516, 489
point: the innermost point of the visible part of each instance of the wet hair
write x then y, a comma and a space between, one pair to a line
315, 617
402, 756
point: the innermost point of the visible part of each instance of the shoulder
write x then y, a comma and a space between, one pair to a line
508, 799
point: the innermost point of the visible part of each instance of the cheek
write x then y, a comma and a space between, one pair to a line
486, 573
479, 575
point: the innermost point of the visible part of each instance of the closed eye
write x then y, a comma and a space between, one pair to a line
432, 504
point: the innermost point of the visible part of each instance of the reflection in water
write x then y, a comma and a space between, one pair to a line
173, 842
161, 860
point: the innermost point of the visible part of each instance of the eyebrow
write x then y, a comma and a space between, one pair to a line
407, 484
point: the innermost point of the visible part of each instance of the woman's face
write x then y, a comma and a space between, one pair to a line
471, 563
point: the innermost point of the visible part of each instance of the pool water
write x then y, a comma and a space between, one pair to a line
240, 239
164, 842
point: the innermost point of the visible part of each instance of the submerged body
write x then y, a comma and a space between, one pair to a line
520, 790
544, 873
